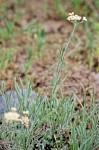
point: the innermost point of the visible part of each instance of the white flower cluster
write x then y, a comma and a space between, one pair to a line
25, 112
25, 121
75, 18
13, 116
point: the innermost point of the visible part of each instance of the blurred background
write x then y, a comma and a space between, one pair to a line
33, 31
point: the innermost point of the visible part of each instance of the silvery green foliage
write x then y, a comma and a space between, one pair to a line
20, 98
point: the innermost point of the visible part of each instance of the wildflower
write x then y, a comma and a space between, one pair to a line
11, 117
75, 18
26, 112
13, 109
71, 14
24, 121
84, 19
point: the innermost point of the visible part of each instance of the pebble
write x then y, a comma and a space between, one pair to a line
12, 97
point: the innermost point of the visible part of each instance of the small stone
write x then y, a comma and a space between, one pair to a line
12, 98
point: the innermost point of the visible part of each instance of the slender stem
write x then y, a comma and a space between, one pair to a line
60, 63
69, 40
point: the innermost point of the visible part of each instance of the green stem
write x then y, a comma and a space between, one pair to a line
60, 63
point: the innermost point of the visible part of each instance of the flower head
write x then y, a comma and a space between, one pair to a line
75, 18
84, 19
11, 117
25, 113
24, 121
71, 14
13, 109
